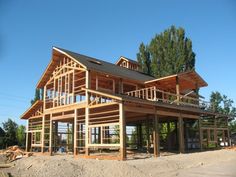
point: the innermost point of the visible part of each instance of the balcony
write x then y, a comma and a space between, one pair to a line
156, 95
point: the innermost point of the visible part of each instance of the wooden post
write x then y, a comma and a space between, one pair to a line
122, 126
75, 132
87, 113
27, 137
156, 142
50, 135
208, 137
168, 136
200, 133
215, 132
139, 135
177, 90
44, 97
223, 136
181, 134
42, 137
147, 127
228, 134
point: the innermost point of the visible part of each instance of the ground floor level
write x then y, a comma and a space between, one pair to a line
117, 130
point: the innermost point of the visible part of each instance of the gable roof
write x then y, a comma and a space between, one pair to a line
98, 65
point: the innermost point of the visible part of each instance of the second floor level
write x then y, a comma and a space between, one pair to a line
69, 74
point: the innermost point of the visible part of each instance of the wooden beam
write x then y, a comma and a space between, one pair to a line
140, 109
102, 93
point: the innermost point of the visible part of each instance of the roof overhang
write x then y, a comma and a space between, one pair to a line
32, 109
57, 55
187, 80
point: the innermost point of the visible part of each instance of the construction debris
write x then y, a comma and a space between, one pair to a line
14, 152
4, 174
231, 148
6, 165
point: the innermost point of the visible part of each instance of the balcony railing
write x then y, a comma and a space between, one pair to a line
153, 94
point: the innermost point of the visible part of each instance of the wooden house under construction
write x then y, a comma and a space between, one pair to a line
96, 109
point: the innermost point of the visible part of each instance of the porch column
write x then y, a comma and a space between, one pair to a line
87, 113
156, 141
122, 126
177, 90
139, 136
27, 137
215, 132
50, 135
208, 137
200, 133
228, 134
147, 127
223, 136
75, 132
42, 136
168, 136
181, 134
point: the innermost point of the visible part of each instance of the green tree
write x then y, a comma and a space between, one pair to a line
167, 53
143, 58
215, 101
232, 126
2, 135
36, 96
222, 104
21, 135
10, 128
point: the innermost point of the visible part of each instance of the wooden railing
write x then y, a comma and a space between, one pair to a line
153, 94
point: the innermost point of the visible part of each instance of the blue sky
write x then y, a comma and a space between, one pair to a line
107, 30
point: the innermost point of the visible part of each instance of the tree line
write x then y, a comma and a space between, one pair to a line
11, 134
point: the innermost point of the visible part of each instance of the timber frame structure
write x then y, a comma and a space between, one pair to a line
96, 109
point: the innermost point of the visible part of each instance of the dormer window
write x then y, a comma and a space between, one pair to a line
128, 63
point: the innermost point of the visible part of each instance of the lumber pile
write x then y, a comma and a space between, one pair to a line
14, 152
231, 148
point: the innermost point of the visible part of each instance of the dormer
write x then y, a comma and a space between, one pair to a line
128, 63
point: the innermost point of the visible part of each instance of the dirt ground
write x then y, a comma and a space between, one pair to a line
208, 164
